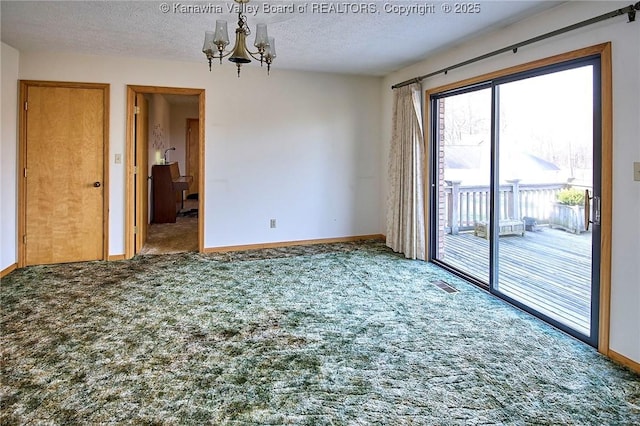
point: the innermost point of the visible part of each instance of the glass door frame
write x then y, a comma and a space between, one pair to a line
432, 242
593, 61
599, 57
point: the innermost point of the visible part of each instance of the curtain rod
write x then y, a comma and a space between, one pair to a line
629, 10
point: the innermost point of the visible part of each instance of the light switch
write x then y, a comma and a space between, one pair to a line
636, 171
118, 159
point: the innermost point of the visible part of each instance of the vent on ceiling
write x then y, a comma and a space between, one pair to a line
444, 286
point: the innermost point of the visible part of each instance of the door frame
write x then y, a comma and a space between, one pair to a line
188, 149
22, 160
604, 52
131, 204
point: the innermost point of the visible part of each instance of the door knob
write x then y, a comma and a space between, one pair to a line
96, 184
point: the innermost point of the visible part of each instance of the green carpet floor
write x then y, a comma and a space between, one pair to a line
343, 334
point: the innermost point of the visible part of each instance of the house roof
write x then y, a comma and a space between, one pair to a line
477, 157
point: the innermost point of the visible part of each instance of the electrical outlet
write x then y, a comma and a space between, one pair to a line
636, 171
272, 223
118, 159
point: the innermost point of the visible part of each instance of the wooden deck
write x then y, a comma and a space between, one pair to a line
549, 270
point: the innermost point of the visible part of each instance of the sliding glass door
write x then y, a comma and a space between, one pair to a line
515, 185
545, 168
463, 179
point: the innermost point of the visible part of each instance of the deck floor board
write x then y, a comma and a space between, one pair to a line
550, 270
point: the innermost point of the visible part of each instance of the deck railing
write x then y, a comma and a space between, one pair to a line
468, 204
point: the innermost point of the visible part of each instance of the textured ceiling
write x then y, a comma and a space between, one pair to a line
368, 37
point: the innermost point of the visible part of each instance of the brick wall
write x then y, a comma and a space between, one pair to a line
440, 184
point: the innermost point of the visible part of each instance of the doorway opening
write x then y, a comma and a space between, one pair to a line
165, 146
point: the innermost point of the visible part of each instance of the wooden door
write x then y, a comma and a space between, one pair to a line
64, 192
193, 153
142, 170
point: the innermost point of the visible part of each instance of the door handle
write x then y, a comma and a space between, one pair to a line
587, 209
596, 210
97, 184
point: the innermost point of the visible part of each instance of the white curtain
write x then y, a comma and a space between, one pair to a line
405, 204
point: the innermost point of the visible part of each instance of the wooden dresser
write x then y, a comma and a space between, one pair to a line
167, 191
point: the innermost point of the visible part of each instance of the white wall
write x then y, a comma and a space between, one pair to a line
8, 156
625, 297
302, 148
159, 130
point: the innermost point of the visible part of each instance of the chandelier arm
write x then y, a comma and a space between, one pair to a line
256, 55
222, 56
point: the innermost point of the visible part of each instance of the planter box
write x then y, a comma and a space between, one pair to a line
569, 218
507, 227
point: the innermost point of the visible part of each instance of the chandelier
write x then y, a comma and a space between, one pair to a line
216, 41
